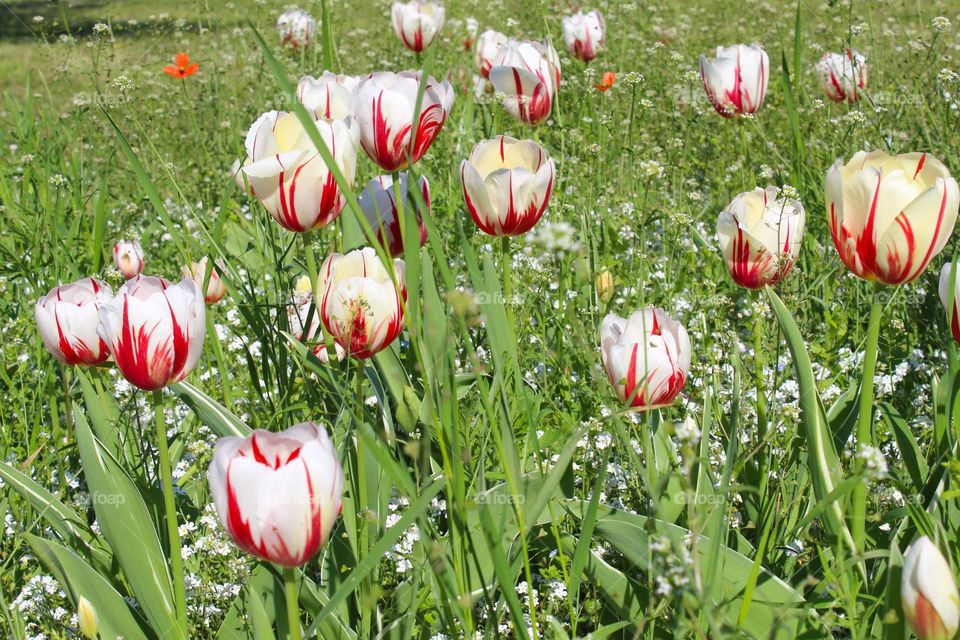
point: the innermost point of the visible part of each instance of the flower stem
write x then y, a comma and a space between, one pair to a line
506, 263
170, 512
360, 503
865, 417
293, 607
758, 323
311, 261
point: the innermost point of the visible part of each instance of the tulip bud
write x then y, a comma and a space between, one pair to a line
605, 286
417, 22
584, 34
488, 44
843, 75
736, 80
327, 97
647, 357
128, 256
216, 288
362, 306
154, 330
528, 75
87, 618
384, 105
890, 215
928, 592
278, 494
303, 285
953, 310
379, 203
296, 28
507, 185
68, 317
289, 177
297, 316
760, 234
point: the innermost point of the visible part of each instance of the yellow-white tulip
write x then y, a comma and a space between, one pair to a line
890, 215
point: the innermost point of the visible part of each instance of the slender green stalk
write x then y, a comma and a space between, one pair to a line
68, 402
506, 263
311, 261
758, 359
865, 416
170, 513
360, 506
221, 361
293, 607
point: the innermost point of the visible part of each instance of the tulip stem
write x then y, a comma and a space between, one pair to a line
170, 513
293, 607
865, 418
507, 265
360, 501
758, 322
311, 261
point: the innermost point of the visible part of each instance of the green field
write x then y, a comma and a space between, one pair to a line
495, 485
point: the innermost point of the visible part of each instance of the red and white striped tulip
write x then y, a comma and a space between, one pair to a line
488, 44
647, 357
953, 311
296, 28
128, 256
384, 106
843, 75
297, 316
216, 288
379, 203
584, 34
327, 97
890, 215
417, 22
362, 307
154, 330
278, 494
760, 234
289, 177
68, 317
528, 75
928, 591
507, 185
736, 80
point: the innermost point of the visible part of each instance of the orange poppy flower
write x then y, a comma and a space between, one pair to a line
181, 67
608, 79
